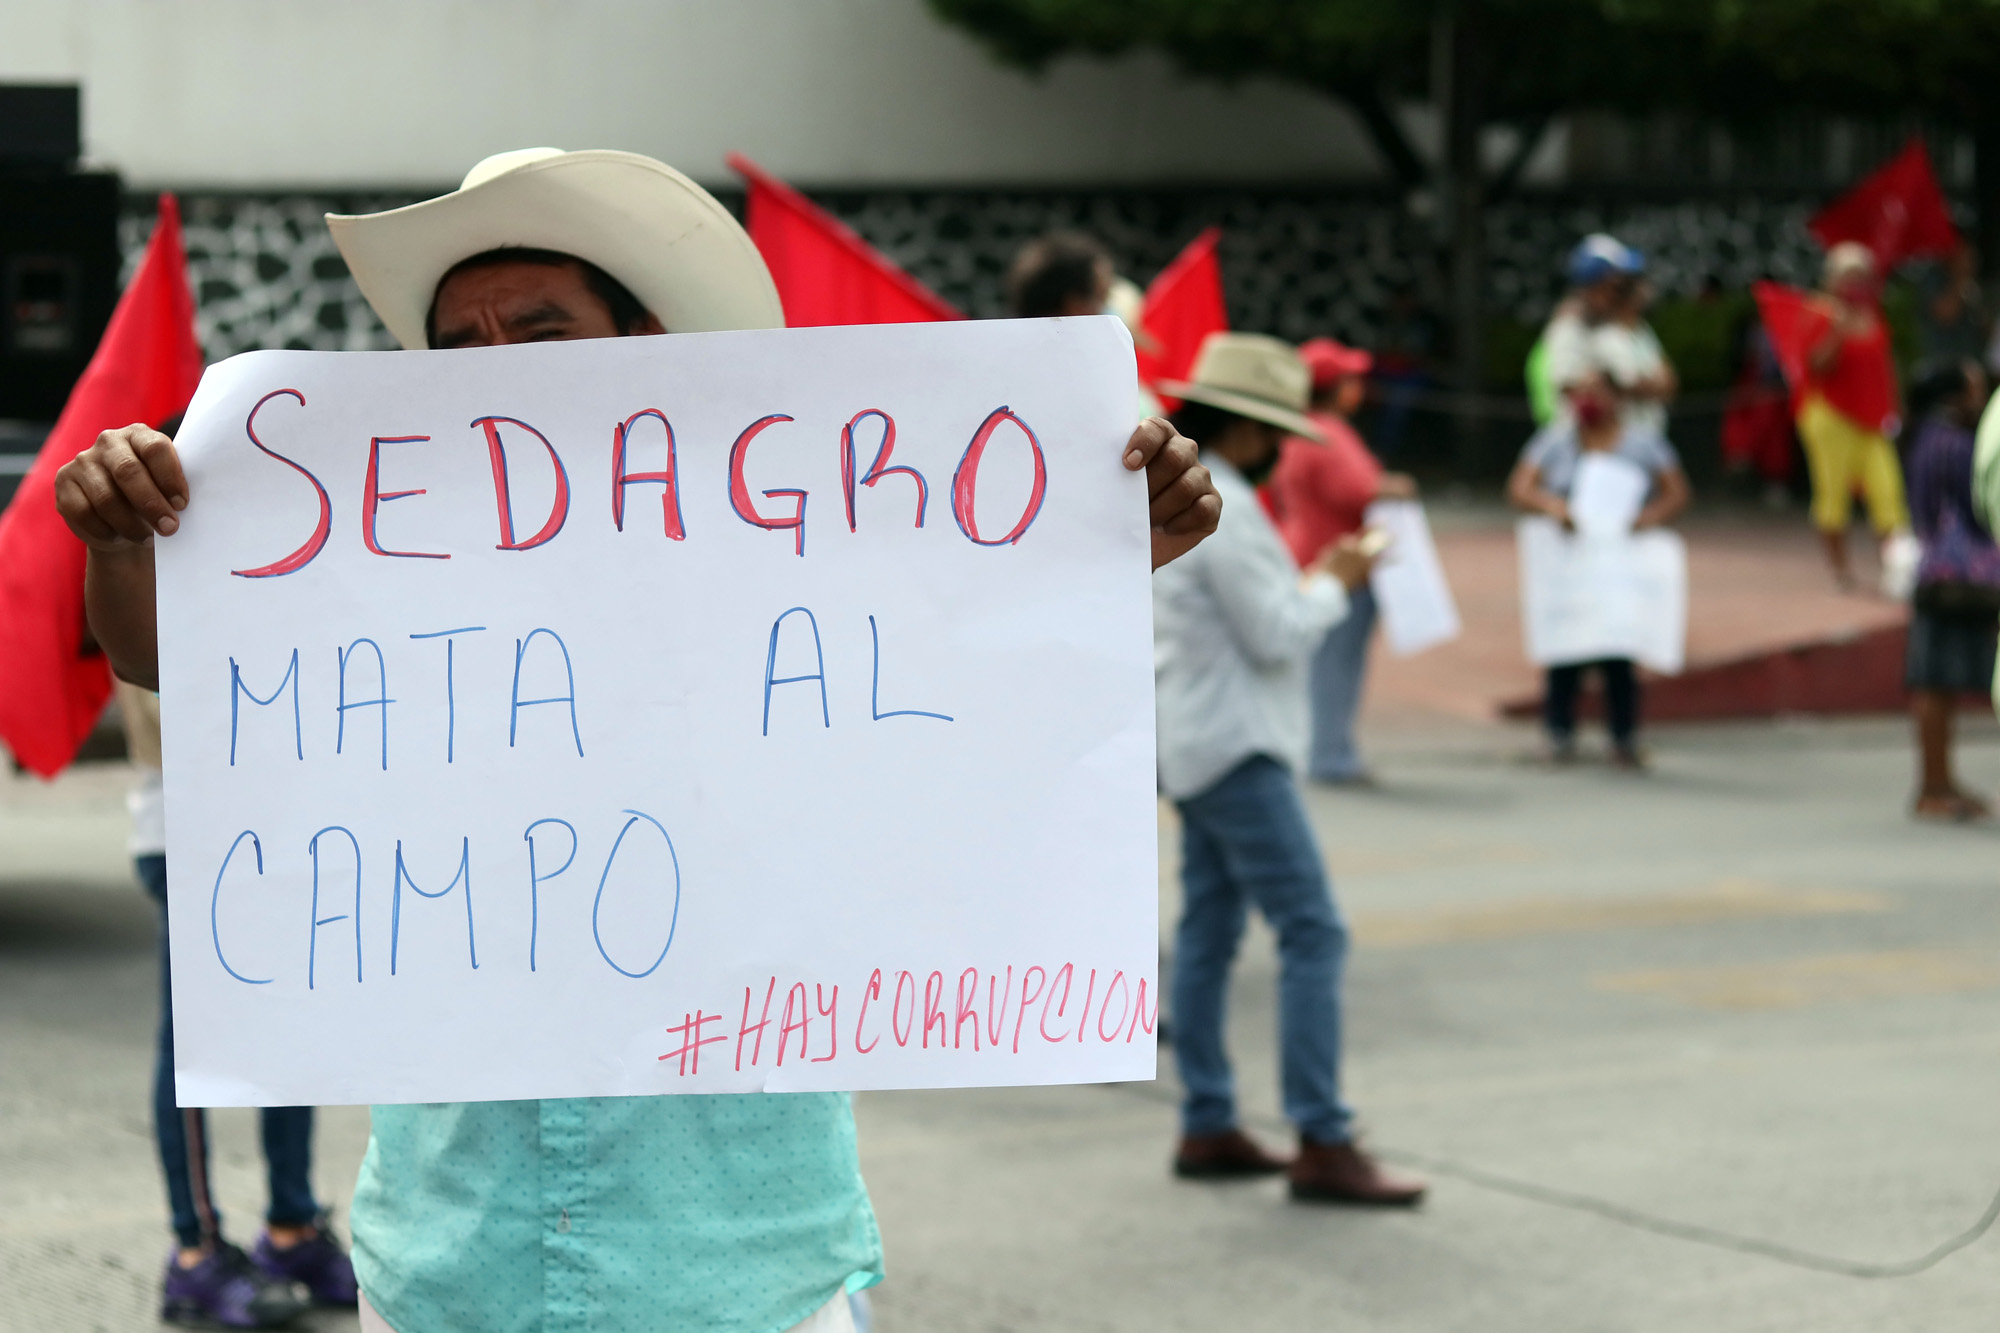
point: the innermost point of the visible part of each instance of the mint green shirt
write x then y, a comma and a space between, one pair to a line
737, 1213
1544, 397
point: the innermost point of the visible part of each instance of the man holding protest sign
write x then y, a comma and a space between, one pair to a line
739, 1212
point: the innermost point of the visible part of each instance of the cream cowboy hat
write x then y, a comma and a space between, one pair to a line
664, 237
1253, 376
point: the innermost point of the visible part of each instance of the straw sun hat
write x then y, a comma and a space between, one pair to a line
1252, 375
661, 235
1846, 259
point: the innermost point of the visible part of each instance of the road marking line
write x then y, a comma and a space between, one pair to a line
1436, 854
1725, 900
1799, 982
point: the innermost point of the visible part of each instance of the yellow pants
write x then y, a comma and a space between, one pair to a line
1842, 455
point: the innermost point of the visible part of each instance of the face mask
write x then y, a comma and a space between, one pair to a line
1259, 472
1593, 412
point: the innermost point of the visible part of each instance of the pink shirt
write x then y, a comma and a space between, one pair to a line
1319, 492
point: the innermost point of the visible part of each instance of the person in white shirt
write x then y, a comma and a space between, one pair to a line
1602, 272
1630, 355
1235, 623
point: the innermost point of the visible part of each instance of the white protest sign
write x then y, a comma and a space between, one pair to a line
1588, 598
1418, 610
1609, 491
717, 712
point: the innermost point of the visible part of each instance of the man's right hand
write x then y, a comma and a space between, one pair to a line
122, 490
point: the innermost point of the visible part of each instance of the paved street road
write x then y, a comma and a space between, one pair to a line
1666, 1044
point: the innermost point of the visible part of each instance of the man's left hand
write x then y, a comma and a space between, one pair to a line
1185, 507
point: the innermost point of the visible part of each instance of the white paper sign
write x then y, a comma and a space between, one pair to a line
1588, 598
1609, 491
1411, 591
707, 713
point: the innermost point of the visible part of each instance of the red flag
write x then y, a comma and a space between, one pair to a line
145, 369
1898, 212
1183, 306
1789, 317
826, 274
1862, 382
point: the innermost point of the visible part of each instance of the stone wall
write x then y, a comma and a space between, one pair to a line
1296, 263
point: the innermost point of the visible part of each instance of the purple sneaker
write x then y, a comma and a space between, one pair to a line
320, 1264
226, 1290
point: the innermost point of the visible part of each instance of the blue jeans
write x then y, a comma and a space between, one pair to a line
1399, 391
1339, 665
182, 1132
1245, 841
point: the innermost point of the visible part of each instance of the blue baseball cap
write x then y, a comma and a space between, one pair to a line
1600, 256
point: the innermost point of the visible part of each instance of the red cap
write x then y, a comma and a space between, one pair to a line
1330, 361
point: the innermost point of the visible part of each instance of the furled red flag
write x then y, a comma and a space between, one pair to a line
145, 369
1788, 317
1898, 212
1863, 390
826, 274
1183, 306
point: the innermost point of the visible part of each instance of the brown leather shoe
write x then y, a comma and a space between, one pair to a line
1342, 1173
1222, 1156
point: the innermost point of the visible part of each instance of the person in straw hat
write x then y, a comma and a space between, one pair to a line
720, 1212
1234, 626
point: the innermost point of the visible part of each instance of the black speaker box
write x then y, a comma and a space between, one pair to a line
58, 280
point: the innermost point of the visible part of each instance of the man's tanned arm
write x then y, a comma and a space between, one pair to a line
115, 496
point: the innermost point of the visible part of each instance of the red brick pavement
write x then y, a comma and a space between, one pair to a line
1755, 584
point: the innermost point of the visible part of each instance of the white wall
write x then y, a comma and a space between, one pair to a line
267, 93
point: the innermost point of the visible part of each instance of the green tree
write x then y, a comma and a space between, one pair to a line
1485, 62
1522, 62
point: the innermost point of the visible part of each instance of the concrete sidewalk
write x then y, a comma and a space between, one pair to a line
1643, 1029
